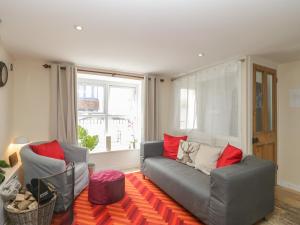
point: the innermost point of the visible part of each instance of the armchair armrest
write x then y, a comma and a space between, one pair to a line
242, 193
75, 153
151, 149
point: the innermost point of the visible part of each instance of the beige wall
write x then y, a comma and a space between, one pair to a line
31, 100
288, 127
6, 98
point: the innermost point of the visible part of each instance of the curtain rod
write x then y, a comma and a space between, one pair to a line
103, 72
186, 74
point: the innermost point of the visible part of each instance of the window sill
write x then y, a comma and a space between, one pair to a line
113, 151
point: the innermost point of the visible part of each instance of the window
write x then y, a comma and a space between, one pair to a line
188, 117
110, 107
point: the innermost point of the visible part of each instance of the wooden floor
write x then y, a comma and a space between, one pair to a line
287, 208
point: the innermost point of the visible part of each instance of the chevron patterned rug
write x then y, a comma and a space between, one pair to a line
143, 204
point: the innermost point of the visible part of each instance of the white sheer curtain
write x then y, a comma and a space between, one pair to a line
206, 103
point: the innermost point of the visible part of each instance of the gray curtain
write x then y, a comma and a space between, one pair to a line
151, 108
63, 121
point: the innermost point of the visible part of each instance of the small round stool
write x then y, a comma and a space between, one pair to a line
106, 187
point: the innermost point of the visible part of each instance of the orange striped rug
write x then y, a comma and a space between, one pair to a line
143, 204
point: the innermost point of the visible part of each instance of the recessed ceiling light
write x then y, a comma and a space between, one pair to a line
77, 27
201, 54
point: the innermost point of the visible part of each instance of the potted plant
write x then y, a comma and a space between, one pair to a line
89, 142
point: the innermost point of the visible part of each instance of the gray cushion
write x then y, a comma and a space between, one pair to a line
188, 186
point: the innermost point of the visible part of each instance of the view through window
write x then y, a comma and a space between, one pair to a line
109, 112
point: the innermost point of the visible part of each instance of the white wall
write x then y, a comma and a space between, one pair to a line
288, 127
116, 159
6, 98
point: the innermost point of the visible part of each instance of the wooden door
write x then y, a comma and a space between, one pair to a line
264, 113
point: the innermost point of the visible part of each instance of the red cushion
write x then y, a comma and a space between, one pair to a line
171, 145
230, 156
51, 150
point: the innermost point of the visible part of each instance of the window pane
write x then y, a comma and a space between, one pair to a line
94, 103
259, 101
123, 132
88, 91
188, 118
80, 91
270, 101
122, 101
100, 97
94, 125
183, 108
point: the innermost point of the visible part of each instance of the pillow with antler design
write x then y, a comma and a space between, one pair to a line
187, 152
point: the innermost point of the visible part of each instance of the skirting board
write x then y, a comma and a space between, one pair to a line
289, 185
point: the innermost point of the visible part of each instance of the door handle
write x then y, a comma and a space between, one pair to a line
255, 140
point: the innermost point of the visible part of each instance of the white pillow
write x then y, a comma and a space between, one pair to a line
206, 158
187, 152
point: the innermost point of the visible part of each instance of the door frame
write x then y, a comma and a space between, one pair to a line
264, 70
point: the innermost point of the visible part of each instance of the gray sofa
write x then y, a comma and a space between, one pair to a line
36, 166
241, 194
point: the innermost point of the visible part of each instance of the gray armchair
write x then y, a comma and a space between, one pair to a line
37, 166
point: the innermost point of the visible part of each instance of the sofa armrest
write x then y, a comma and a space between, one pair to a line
242, 193
75, 153
151, 149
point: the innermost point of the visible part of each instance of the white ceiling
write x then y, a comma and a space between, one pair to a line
150, 36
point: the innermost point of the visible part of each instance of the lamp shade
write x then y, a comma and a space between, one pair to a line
21, 140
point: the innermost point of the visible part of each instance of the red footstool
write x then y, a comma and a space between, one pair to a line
106, 187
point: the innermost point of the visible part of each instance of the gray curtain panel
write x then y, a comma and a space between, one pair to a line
151, 108
63, 121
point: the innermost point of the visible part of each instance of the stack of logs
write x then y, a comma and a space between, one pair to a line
23, 201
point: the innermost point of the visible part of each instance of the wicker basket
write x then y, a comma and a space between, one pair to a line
32, 217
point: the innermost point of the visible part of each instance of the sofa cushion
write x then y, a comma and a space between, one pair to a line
171, 144
186, 185
231, 155
187, 152
206, 158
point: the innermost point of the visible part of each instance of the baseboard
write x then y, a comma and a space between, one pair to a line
289, 185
